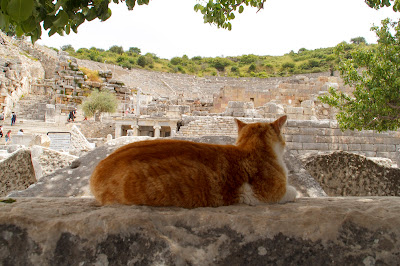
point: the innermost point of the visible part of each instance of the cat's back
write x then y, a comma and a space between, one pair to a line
140, 172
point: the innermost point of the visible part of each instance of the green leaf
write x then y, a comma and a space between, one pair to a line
19, 31
106, 15
20, 10
59, 4
130, 4
29, 24
4, 21
241, 9
4, 4
48, 22
36, 35
52, 31
91, 14
67, 29
74, 28
61, 19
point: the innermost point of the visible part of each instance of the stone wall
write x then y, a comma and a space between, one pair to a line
289, 91
189, 88
18, 70
347, 174
311, 231
47, 57
304, 136
93, 129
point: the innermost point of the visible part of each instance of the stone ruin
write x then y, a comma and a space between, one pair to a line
71, 229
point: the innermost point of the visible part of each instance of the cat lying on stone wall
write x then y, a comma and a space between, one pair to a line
188, 174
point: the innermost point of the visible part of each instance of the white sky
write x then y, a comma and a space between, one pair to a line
171, 28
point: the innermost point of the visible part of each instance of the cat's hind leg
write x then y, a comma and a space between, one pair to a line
290, 195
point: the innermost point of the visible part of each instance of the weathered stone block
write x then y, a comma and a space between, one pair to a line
316, 146
304, 138
294, 145
16, 172
320, 124
354, 147
71, 233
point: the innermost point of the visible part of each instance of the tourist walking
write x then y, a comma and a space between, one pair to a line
71, 115
1, 131
13, 118
8, 137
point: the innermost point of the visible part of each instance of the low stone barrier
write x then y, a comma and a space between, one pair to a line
304, 136
311, 231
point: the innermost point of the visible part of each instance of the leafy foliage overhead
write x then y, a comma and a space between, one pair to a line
64, 16
374, 72
377, 4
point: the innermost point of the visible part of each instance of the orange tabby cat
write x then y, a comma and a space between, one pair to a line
188, 174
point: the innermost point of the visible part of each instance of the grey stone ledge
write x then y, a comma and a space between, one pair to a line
310, 231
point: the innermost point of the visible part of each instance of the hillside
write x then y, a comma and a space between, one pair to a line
301, 62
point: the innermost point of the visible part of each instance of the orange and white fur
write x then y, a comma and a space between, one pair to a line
188, 174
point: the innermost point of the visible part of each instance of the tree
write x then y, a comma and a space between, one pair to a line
116, 49
68, 48
374, 73
358, 40
135, 50
98, 103
62, 16
144, 60
220, 63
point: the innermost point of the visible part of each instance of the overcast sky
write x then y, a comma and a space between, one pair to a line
171, 28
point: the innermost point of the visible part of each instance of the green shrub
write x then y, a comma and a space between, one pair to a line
176, 61
220, 63
288, 65
252, 68
248, 59
234, 69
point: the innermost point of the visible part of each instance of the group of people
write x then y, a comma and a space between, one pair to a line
8, 135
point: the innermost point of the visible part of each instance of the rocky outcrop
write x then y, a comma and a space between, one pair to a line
348, 174
73, 181
47, 161
16, 172
18, 70
311, 231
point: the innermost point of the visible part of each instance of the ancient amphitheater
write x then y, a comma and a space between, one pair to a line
56, 222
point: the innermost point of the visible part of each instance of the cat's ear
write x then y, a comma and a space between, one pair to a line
240, 124
278, 124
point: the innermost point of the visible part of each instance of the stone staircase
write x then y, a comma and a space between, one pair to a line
32, 107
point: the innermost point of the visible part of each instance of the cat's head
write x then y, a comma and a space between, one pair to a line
261, 134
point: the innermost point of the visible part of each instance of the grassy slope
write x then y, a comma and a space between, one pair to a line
304, 61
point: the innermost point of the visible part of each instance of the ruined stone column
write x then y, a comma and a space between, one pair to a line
135, 130
118, 131
157, 130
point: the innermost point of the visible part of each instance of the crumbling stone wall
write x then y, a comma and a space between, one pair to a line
346, 174
93, 129
47, 57
16, 172
303, 136
18, 70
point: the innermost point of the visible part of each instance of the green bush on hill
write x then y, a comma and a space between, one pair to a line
304, 61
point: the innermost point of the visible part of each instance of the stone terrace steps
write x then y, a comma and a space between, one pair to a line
28, 108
